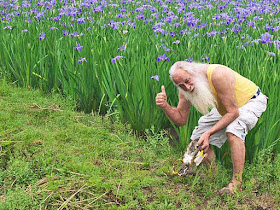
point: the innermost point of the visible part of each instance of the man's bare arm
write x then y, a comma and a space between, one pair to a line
223, 81
180, 114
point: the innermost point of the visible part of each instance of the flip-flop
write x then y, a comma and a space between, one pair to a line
225, 191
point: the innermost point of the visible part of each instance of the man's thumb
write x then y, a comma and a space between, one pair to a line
163, 90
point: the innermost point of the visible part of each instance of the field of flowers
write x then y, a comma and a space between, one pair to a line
113, 56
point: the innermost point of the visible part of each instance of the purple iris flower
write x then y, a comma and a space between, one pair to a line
25, 4
156, 77
114, 25
190, 59
53, 28
166, 48
39, 15
42, 36
216, 16
277, 43
206, 58
28, 20
270, 53
255, 41
160, 30
222, 32
203, 25
8, 27
81, 20
172, 34
276, 28
140, 17
90, 19
155, 15
268, 27
163, 57
176, 42
212, 33
118, 57
65, 32
24, 30
265, 38
74, 34
56, 18
82, 60
133, 25
236, 29
122, 47
251, 24
78, 47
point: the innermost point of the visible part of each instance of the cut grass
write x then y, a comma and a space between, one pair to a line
53, 157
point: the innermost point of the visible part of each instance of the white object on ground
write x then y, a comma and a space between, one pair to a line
187, 159
199, 157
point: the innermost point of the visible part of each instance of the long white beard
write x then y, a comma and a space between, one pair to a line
201, 97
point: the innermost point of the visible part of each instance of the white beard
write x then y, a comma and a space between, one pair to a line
201, 97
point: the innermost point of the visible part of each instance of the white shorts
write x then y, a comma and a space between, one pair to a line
248, 118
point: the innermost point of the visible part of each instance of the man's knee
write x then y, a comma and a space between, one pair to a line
232, 138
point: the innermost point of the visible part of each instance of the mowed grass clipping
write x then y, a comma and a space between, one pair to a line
55, 158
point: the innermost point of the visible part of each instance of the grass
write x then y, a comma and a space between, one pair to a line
55, 158
124, 87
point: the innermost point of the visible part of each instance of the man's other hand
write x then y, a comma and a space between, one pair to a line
161, 99
204, 140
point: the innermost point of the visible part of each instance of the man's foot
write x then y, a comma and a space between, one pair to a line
229, 190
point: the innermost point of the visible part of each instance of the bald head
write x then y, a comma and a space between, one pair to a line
191, 68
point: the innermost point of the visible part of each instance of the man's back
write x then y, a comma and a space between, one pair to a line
244, 88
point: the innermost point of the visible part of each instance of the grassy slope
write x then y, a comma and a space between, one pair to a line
51, 159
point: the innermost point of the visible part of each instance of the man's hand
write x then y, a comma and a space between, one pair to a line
204, 140
161, 99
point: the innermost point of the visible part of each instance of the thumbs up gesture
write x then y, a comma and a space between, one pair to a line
161, 99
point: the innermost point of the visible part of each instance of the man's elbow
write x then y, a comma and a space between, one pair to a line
236, 113
179, 124
182, 119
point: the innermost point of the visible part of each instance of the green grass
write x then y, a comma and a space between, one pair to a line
53, 157
125, 88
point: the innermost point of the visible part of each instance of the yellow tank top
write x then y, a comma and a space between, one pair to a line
244, 89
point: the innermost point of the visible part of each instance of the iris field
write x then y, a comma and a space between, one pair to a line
113, 56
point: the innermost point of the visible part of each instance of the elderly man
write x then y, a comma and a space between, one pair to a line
236, 104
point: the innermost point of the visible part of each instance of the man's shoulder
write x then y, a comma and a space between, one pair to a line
222, 72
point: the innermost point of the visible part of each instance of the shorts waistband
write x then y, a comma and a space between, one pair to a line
256, 94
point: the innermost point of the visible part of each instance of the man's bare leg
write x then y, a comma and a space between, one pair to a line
209, 160
237, 149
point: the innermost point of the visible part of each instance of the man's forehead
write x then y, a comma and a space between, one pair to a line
180, 75
177, 78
